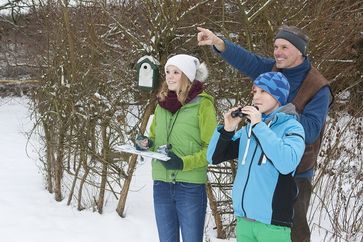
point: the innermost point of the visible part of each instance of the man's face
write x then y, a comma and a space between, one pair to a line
286, 54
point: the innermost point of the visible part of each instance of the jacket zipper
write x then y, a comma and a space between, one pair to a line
248, 177
249, 169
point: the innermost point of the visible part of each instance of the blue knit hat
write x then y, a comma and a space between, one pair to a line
274, 83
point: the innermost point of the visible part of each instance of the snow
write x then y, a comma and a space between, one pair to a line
29, 213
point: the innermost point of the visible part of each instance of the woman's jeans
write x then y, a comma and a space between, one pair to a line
180, 205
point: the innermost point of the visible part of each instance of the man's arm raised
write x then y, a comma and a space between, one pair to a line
207, 37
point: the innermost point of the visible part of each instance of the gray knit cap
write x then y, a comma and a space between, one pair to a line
295, 36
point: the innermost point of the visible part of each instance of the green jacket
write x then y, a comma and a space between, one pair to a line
189, 131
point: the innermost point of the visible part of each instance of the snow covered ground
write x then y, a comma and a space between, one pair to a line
29, 213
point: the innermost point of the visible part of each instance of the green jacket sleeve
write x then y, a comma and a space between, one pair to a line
207, 124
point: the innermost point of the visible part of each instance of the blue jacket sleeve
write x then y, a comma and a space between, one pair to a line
314, 115
246, 62
285, 153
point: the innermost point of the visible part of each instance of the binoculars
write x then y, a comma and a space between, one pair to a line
164, 149
238, 113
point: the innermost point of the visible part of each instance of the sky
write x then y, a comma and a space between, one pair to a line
28, 213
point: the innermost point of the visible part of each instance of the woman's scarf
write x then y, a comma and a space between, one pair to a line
171, 102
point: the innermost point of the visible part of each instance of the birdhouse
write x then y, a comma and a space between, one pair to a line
147, 73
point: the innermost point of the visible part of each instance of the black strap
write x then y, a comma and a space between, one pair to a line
171, 128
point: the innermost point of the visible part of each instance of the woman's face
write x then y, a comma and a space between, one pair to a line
265, 102
173, 78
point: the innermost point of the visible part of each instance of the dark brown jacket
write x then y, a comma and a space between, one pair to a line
313, 82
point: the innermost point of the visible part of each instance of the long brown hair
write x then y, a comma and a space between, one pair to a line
182, 94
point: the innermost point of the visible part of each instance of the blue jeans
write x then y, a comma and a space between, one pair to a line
180, 206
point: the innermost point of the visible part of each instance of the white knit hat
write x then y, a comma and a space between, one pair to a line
190, 66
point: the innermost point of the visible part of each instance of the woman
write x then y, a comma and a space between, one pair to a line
183, 122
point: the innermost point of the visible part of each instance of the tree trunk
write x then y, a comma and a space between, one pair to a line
58, 166
83, 180
49, 158
217, 217
105, 150
75, 178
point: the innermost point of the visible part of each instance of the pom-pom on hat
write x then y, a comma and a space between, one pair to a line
190, 66
274, 83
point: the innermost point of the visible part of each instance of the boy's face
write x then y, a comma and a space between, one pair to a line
265, 102
173, 78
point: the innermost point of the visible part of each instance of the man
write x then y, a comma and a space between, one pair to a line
309, 92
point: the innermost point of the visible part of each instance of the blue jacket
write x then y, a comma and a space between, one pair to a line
264, 188
315, 112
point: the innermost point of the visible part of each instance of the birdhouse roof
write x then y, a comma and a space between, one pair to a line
150, 58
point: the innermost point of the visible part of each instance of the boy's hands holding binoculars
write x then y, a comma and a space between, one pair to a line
253, 115
231, 121
235, 115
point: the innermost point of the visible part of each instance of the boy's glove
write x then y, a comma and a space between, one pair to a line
175, 162
143, 143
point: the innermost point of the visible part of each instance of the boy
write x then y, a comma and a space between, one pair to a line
269, 149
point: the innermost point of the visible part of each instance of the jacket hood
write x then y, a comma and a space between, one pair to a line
284, 113
206, 95
289, 109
